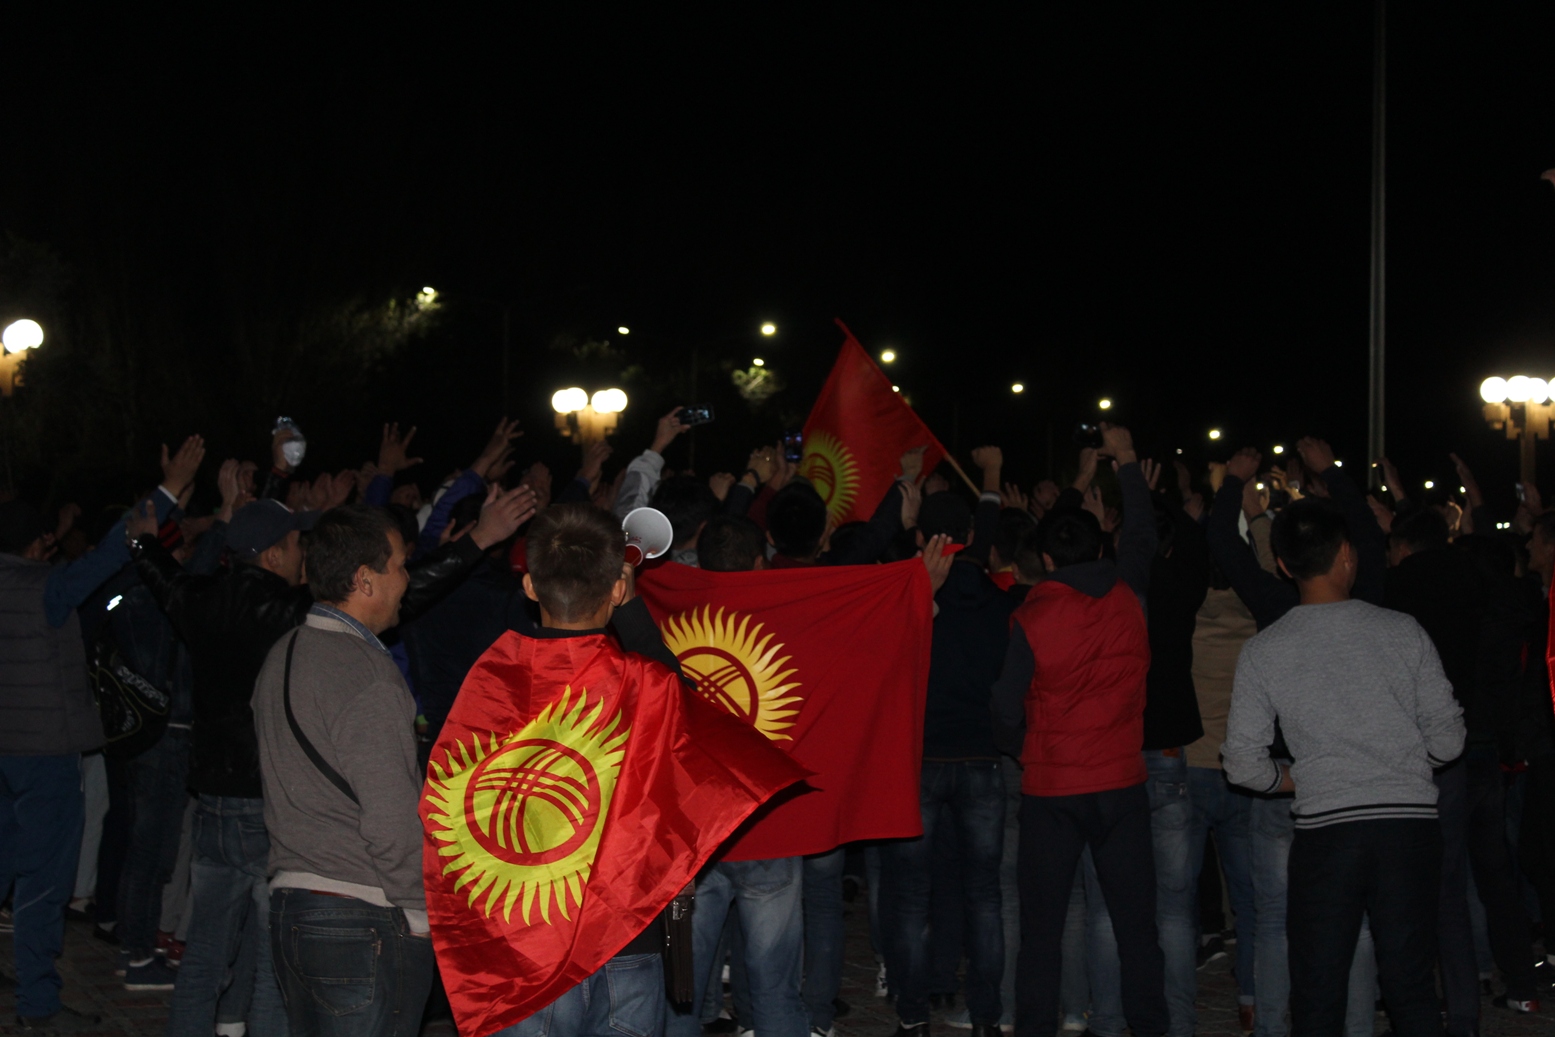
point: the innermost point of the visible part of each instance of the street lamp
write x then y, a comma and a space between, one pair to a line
769, 329
888, 356
1104, 403
18, 337
1017, 388
623, 330
584, 418
1214, 433
1521, 405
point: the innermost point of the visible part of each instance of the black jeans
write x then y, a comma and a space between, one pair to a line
1454, 931
348, 968
1053, 832
157, 800
1390, 871
1495, 876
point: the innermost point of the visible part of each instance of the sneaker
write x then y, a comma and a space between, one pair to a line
915, 1030
816, 1031
66, 1020
105, 933
1245, 1017
960, 1019
1210, 950
722, 1025
121, 963
149, 974
171, 948
1531, 1005
1072, 1024
746, 1033
6, 924
882, 988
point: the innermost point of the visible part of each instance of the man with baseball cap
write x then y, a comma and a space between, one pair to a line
48, 718
229, 621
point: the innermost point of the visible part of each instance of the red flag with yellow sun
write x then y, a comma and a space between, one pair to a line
856, 434
829, 663
574, 790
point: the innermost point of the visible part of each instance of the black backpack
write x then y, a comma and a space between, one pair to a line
134, 711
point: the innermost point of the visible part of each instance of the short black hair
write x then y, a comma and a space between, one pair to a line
1070, 536
575, 555
687, 502
730, 544
796, 518
1423, 529
1011, 525
1307, 535
946, 512
344, 540
1027, 557
466, 511
406, 520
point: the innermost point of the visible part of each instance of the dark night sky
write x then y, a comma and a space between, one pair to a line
1168, 206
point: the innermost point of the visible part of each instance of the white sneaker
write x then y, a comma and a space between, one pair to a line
960, 1019
881, 987
816, 1031
746, 1033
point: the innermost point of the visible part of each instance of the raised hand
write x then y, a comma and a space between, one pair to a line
1093, 504
912, 500
760, 462
1390, 477
68, 514
393, 449
538, 479
501, 440
1254, 500
1467, 481
720, 483
1117, 443
228, 481
1531, 499
912, 464
140, 522
1011, 496
335, 491
502, 514
668, 428
936, 561
179, 470
498, 469
1151, 470
1082, 481
991, 460
594, 461
1244, 464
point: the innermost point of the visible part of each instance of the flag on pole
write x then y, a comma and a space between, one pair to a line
829, 663
574, 790
856, 434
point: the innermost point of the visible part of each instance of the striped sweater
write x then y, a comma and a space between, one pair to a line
1364, 706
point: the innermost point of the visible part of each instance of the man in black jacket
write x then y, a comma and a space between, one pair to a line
1446, 592
229, 623
961, 772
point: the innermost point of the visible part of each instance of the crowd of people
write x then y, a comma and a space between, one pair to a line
1151, 696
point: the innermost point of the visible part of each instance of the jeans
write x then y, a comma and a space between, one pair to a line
1176, 897
974, 792
94, 785
1389, 871
42, 810
823, 935
156, 777
1074, 997
1009, 890
1272, 831
227, 874
1494, 876
768, 898
1228, 812
1454, 932
623, 999
1053, 831
348, 968
947, 926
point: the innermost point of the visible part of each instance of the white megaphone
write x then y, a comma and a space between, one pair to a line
648, 535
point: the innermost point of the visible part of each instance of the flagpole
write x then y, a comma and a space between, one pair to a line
1377, 356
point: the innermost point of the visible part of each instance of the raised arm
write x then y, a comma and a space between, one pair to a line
1371, 545
1137, 539
435, 574
642, 475
1266, 596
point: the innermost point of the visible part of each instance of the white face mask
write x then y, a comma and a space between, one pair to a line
294, 450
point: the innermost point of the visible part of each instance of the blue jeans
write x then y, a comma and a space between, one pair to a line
1228, 812
1176, 900
623, 999
42, 811
1009, 889
348, 968
157, 778
768, 897
974, 791
823, 935
231, 909
1272, 832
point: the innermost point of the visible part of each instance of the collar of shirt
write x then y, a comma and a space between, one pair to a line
351, 623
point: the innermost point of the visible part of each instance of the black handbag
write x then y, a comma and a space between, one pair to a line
679, 976
133, 710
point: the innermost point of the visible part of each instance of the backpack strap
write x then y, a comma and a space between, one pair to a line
313, 754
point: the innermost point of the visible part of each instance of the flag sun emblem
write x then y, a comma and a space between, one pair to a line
735, 667
833, 472
521, 816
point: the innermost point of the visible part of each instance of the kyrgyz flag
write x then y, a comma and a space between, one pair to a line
575, 789
832, 665
856, 435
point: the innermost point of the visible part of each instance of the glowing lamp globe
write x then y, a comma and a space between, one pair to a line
1519, 388
1493, 390
609, 401
565, 401
22, 335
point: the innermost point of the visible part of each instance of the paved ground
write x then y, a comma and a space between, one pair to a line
90, 984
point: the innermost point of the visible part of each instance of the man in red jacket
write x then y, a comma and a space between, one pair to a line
1070, 703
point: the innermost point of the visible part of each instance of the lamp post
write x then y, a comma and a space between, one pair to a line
18, 337
584, 418
1521, 405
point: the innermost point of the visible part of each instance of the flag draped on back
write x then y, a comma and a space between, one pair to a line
575, 789
856, 434
832, 665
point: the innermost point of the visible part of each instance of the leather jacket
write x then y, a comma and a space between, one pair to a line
229, 621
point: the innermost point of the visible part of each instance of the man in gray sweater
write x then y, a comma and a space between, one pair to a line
1364, 706
337, 750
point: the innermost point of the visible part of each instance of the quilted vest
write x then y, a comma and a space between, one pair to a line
46, 703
